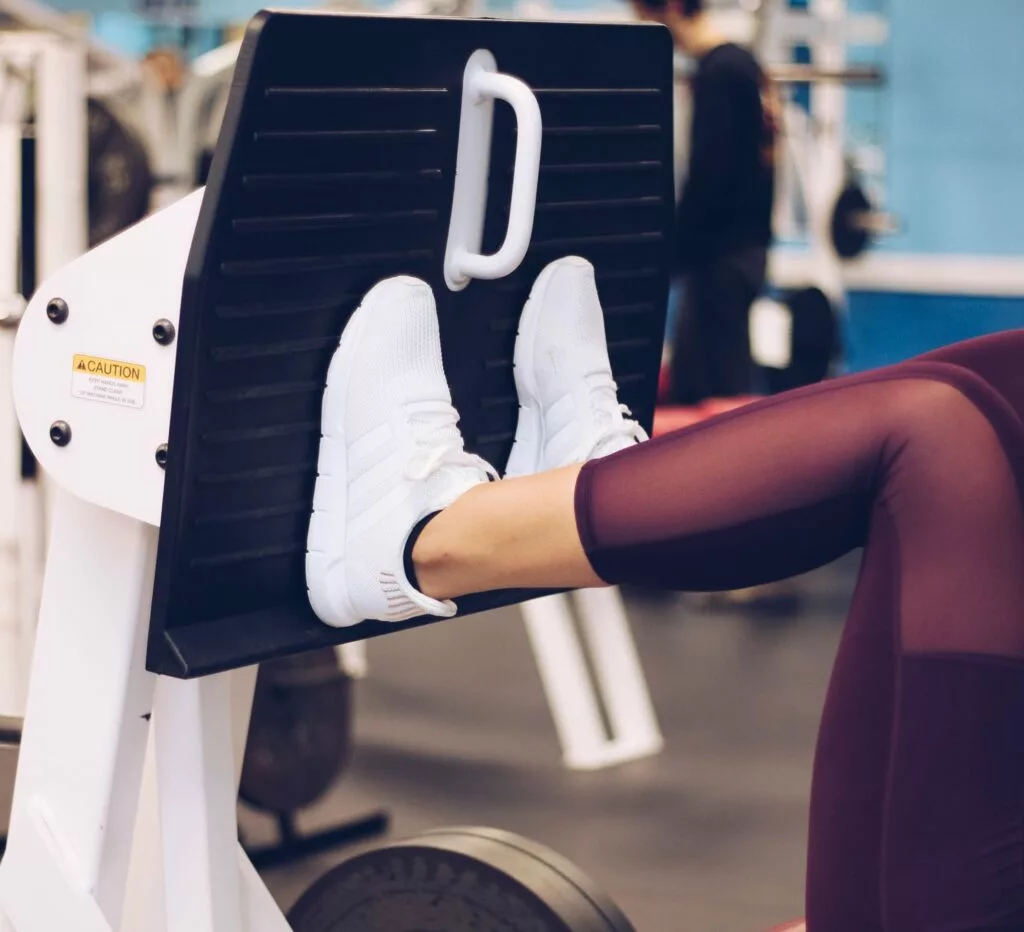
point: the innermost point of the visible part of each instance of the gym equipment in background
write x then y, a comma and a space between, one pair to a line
795, 338
299, 744
458, 879
856, 224
185, 464
120, 180
42, 75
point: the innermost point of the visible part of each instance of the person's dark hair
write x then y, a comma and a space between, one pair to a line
689, 7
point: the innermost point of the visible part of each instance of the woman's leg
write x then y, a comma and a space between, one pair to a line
852, 762
476, 520
998, 359
918, 807
488, 539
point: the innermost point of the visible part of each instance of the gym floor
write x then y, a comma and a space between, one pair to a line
452, 728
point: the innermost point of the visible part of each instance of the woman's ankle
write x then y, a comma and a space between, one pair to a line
428, 568
442, 552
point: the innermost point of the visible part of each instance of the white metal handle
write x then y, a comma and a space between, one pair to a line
482, 84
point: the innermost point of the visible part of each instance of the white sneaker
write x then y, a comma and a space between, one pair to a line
391, 454
569, 405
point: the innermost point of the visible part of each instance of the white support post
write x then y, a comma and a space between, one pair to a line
30, 519
11, 671
146, 904
566, 681
576, 700
260, 913
195, 767
89, 705
619, 673
12, 678
828, 112
55, 70
210, 883
353, 660
62, 155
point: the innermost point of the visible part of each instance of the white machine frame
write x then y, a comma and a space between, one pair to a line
158, 759
592, 674
54, 67
68, 857
152, 807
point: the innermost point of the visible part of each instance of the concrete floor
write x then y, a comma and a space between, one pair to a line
452, 728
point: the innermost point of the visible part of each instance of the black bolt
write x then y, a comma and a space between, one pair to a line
163, 332
60, 433
161, 456
57, 310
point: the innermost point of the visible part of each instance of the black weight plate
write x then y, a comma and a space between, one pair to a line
815, 341
456, 880
120, 179
549, 860
848, 238
299, 733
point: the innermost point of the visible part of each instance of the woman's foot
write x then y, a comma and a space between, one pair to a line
391, 454
569, 406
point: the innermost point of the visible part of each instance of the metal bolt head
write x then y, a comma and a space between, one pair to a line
163, 332
161, 456
57, 310
60, 433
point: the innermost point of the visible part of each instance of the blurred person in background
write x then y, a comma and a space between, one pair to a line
724, 217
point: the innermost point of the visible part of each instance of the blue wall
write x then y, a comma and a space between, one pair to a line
952, 123
884, 328
956, 133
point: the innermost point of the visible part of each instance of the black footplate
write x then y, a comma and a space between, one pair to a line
335, 169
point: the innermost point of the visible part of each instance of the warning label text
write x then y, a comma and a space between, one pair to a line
108, 381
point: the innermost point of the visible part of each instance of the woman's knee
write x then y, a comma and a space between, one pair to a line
998, 359
949, 486
933, 418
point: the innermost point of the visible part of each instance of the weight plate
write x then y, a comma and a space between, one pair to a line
120, 179
815, 341
457, 880
300, 732
549, 859
849, 236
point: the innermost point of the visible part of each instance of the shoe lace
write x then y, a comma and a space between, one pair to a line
616, 427
435, 428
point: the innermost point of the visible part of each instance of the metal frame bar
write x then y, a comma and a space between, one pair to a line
111, 71
604, 717
70, 850
55, 68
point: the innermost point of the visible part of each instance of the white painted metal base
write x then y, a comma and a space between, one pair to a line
82, 771
602, 719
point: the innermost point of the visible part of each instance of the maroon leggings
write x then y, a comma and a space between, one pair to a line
917, 808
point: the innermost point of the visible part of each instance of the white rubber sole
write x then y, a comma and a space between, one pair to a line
528, 448
325, 542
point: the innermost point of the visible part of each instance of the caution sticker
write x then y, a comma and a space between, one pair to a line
108, 381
